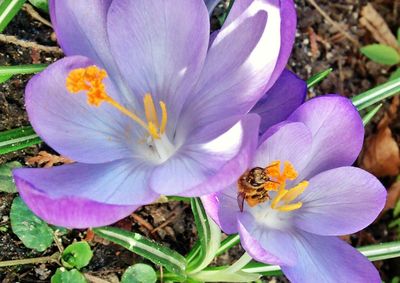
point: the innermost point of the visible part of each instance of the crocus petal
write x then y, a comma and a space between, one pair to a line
270, 246
210, 203
85, 195
287, 94
228, 209
211, 4
238, 66
285, 142
288, 30
160, 47
329, 260
68, 124
81, 28
337, 131
210, 167
340, 201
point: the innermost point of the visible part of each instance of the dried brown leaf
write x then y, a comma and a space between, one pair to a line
45, 159
393, 196
378, 27
381, 155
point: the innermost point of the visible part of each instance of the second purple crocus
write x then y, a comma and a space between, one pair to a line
300, 192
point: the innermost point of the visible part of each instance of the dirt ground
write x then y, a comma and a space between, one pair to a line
318, 46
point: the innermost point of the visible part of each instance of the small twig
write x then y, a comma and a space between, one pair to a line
313, 42
53, 258
334, 24
58, 242
171, 217
104, 272
28, 44
142, 222
94, 279
32, 12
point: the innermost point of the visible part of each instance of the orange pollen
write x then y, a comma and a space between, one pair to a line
88, 79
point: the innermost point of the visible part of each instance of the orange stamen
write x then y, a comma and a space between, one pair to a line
90, 79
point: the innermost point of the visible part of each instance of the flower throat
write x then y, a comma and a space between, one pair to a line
90, 79
255, 185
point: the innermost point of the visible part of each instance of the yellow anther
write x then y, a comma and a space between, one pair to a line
283, 197
290, 207
164, 117
150, 110
294, 192
281, 193
153, 131
90, 79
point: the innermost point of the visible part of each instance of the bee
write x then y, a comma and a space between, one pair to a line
251, 187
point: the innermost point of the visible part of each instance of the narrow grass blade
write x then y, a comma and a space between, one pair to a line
229, 242
368, 117
377, 94
21, 69
209, 237
159, 254
318, 77
4, 78
8, 10
17, 139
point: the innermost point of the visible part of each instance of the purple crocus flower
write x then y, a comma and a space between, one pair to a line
146, 104
300, 191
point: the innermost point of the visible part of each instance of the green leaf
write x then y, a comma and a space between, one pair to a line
318, 78
139, 273
6, 181
77, 255
64, 276
17, 139
22, 69
8, 10
149, 249
31, 230
395, 74
371, 114
209, 236
381, 54
40, 4
377, 94
4, 78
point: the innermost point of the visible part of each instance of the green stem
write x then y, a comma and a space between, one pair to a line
240, 263
53, 258
229, 242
